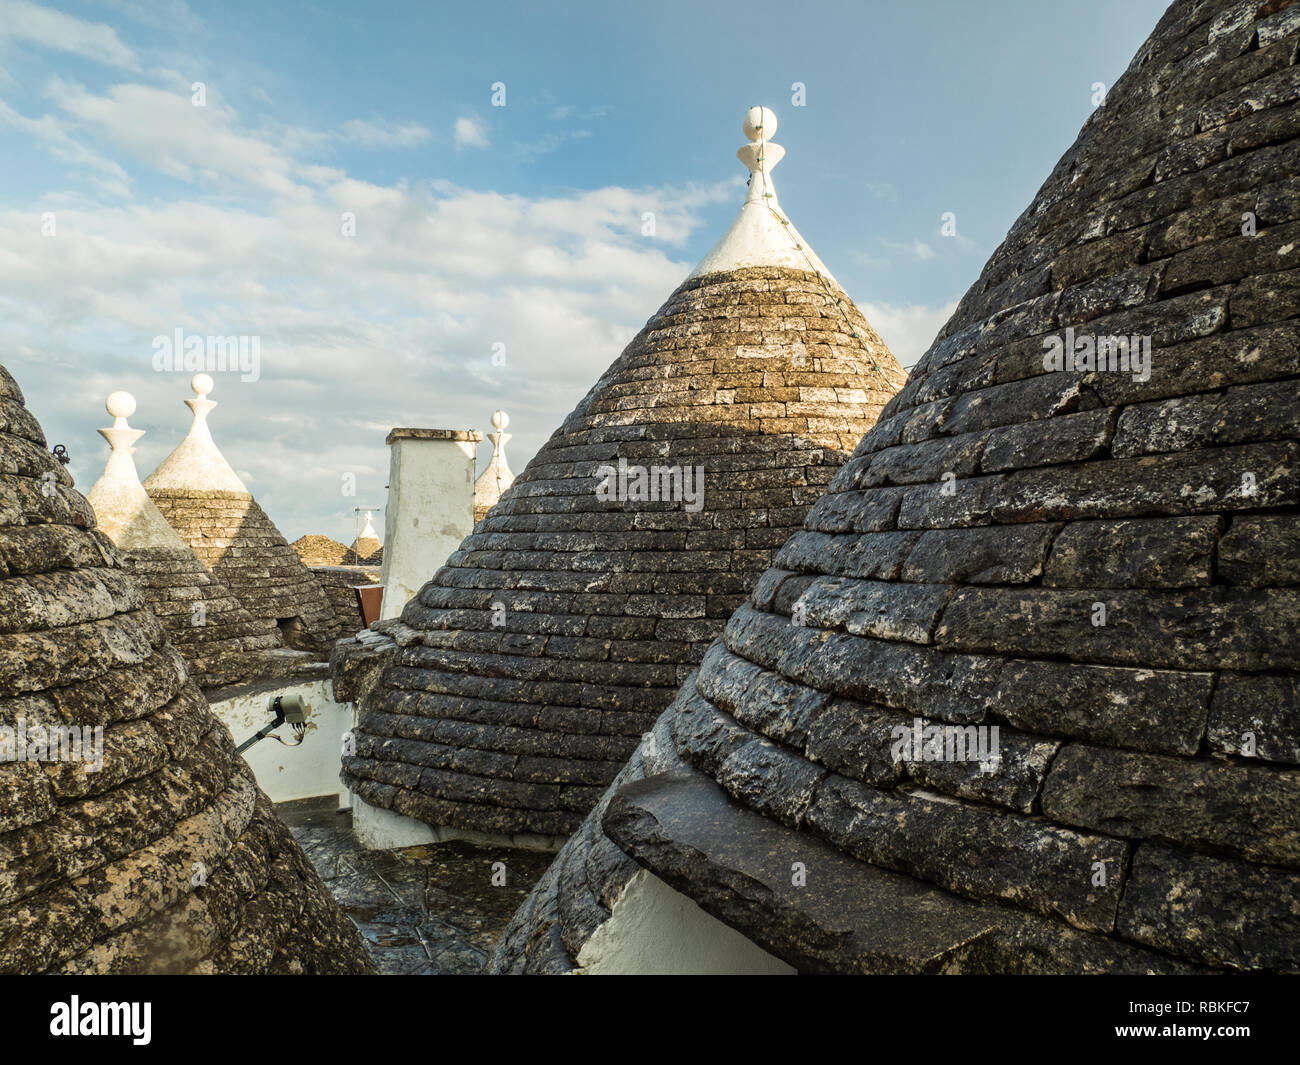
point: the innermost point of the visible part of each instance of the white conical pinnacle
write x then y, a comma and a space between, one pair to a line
120, 468
197, 463
498, 476
760, 155
123, 511
761, 234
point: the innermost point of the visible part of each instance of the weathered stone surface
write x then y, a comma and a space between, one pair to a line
922, 462
1192, 629
877, 555
1142, 709
1164, 553
855, 740
221, 642
1204, 481
1262, 550
873, 671
738, 867
770, 780
1043, 396
872, 608
340, 583
868, 511
778, 708
952, 503
1050, 442
590, 610
975, 851
1257, 715
881, 747
1013, 777
1246, 811
98, 861
1221, 912
1251, 412
1208, 363
1266, 297
356, 666
995, 555
233, 537
1099, 560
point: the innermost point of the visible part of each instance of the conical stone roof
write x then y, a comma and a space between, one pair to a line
317, 550
218, 638
1101, 564
204, 500
552, 639
166, 856
366, 547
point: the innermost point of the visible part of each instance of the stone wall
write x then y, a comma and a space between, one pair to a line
339, 585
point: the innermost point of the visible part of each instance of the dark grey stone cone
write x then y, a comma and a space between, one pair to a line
531, 664
167, 858
1103, 564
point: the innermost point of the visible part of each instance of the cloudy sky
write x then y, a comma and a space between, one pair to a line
338, 180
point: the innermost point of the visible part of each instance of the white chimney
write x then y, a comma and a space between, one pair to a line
430, 507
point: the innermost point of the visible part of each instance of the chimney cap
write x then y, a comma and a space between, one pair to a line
472, 436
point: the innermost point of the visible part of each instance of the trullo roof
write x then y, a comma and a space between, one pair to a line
1099, 562
533, 661
205, 501
145, 845
218, 638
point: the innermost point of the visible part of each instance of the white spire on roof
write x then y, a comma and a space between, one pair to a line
761, 235
497, 477
197, 463
123, 510
368, 533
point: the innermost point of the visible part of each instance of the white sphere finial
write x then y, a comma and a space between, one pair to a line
500, 419
120, 404
202, 384
759, 124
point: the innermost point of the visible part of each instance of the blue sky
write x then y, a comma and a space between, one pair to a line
479, 225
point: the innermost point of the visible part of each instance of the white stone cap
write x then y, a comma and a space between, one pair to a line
761, 235
123, 509
368, 533
497, 477
197, 464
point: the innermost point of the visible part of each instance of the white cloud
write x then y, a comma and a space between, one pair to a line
30, 23
395, 325
550, 142
918, 250
159, 14
470, 133
383, 135
109, 177
909, 330
161, 128
960, 239
372, 133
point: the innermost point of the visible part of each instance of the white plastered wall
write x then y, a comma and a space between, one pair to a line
306, 771
430, 510
654, 930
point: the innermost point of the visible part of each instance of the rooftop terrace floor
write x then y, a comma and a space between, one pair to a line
428, 910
